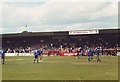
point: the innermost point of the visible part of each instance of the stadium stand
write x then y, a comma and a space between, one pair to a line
25, 41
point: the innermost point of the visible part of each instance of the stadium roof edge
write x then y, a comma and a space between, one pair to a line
26, 33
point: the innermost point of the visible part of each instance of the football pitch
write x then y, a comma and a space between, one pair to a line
60, 68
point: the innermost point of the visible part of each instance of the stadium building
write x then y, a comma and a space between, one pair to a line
107, 37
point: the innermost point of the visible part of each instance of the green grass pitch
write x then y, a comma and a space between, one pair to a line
60, 68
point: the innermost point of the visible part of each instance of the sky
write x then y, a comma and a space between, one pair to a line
57, 15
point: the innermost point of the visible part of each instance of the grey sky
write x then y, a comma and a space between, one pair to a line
49, 15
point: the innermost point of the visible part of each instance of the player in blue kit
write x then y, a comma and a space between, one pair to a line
40, 52
97, 52
36, 53
90, 54
2, 54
